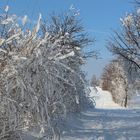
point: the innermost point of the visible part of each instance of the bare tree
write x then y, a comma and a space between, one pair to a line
126, 43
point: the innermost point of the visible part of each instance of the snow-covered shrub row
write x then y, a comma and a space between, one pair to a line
114, 80
40, 76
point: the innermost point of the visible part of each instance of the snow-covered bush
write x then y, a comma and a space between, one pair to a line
40, 76
115, 81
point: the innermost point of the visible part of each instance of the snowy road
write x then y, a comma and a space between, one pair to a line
109, 123
104, 125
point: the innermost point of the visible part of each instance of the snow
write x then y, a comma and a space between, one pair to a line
24, 20
38, 23
15, 36
127, 20
104, 124
107, 121
103, 99
7, 21
138, 11
6, 8
1, 41
65, 56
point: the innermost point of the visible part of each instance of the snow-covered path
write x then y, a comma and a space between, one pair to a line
109, 123
104, 125
103, 99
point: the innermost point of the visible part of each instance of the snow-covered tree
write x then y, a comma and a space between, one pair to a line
94, 81
115, 81
40, 76
126, 43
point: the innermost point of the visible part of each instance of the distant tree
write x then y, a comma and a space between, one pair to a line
115, 81
106, 77
94, 81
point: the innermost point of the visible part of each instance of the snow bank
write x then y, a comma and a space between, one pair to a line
103, 99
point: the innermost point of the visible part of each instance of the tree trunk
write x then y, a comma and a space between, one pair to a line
126, 99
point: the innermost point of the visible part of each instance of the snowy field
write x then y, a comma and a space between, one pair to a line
108, 121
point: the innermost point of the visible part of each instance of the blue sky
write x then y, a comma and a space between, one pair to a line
98, 16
